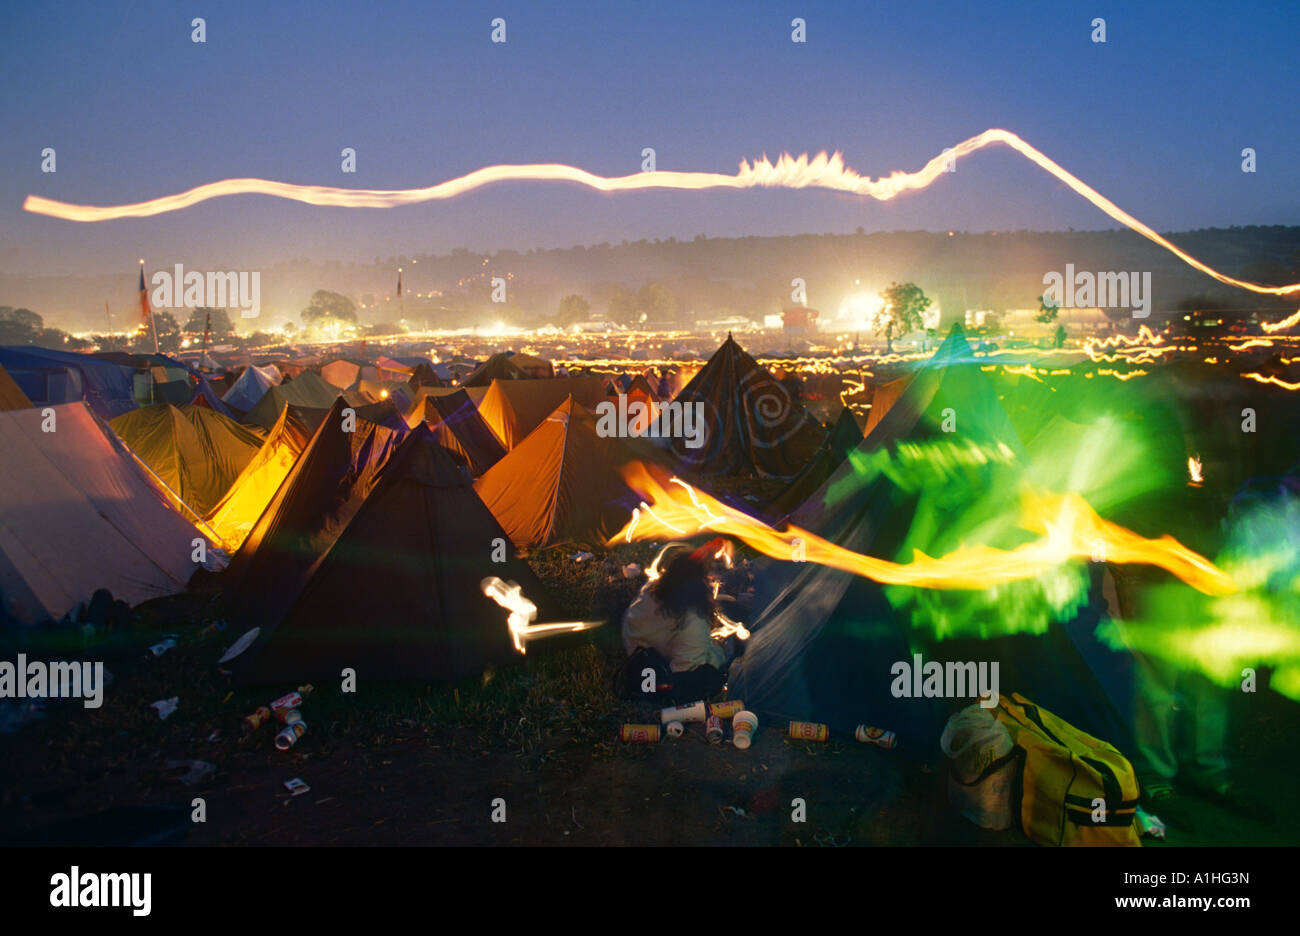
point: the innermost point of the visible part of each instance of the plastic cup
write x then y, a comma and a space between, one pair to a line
743, 726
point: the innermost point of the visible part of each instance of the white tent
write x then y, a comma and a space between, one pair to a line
251, 386
77, 514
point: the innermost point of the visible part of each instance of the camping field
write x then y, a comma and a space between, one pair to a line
410, 764
650, 426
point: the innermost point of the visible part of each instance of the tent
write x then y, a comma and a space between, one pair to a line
424, 374
560, 483
388, 580
844, 437
52, 377
884, 396
195, 452
156, 378
419, 393
459, 428
497, 367
251, 386
951, 380
825, 642
325, 486
11, 395
399, 391
382, 413
78, 514
514, 408
206, 395
341, 373
307, 389
751, 421
234, 515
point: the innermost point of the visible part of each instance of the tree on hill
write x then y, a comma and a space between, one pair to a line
658, 302
573, 310
329, 305
622, 307
221, 326
19, 326
653, 302
902, 313
169, 334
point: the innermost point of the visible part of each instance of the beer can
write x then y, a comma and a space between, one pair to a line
675, 729
713, 729
640, 734
288, 716
726, 709
808, 731
877, 736
289, 736
257, 719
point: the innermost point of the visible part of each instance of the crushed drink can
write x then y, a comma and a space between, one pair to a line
288, 701
258, 718
162, 647
713, 729
808, 731
877, 736
726, 709
639, 734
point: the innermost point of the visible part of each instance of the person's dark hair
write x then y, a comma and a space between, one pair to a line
683, 587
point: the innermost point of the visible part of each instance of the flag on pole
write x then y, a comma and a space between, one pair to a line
145, 312
144, 301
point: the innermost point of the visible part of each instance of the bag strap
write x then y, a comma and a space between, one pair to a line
992, 768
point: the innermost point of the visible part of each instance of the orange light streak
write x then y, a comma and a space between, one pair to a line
1070, 530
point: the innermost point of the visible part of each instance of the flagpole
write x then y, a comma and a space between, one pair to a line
401, 300
148, 309
108, 315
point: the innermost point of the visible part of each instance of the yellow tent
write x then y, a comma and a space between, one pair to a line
193, 450
11, 395
514, 408
248, 496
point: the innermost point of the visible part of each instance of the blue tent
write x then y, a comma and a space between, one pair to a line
50, 377
204, 395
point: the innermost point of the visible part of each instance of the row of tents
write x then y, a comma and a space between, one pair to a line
332, 507
364, 545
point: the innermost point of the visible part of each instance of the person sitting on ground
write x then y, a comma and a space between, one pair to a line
673, 616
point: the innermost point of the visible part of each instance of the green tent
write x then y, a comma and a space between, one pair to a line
308, 390
195, 451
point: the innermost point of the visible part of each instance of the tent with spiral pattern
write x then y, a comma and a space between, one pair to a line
751, 422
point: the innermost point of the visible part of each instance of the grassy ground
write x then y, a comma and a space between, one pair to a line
424, 763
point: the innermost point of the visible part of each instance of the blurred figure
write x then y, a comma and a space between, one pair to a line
673, 616
1182, 722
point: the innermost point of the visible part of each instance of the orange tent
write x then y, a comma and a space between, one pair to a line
560, 483
514, 408
233, 517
